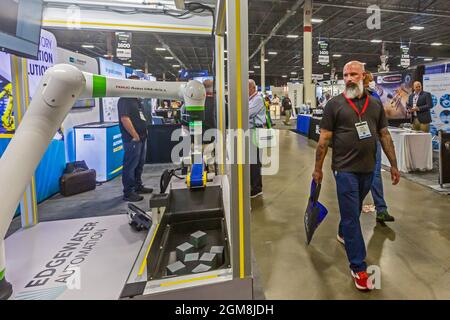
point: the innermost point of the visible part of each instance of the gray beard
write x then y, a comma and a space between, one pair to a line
354, 91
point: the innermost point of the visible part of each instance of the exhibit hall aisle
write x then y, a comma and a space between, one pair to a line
413, 252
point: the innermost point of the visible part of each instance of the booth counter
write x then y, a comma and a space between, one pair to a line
159, 143
100, 146
49, 170
314, 128
303, 121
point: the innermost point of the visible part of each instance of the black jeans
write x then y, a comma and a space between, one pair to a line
133, 165
255, 175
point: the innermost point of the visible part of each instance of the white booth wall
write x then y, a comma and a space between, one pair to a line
80, 115
295, 92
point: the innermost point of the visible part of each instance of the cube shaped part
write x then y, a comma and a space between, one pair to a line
198, 239
177, 268
184, 249
201, 268
209, 259
191, 257
191, 261
219, 252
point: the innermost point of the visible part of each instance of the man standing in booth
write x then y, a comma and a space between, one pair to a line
419, 104
133, 127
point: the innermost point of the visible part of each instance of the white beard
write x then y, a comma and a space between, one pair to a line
353, 92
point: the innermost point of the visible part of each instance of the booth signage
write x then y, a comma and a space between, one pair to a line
185, 74
405, 61
324, 54
123, 50
317, 76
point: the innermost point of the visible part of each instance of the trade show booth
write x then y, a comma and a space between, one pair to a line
83, 99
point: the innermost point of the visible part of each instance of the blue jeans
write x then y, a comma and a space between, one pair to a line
352, 188
133, 164
377, 185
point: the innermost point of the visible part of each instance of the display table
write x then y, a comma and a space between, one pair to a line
159, 143
414, 150
314, 128
303, 121
101, 146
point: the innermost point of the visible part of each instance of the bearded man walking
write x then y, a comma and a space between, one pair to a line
354, 121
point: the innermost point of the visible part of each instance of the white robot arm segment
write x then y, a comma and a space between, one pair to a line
60, 87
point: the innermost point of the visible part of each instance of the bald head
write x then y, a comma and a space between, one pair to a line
354, 75
417, 87
251, 87
208, 85
355, 64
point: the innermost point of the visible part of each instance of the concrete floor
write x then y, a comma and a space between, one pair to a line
412, 253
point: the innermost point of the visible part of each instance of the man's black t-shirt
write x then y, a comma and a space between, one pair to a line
351, 154
287, 104
132, 108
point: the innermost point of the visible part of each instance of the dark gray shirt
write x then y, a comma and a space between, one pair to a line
350, 154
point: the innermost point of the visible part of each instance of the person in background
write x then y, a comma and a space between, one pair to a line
420, 103
276, 100
133, 127
210, 106
268, 103
353, 121
257, 119
377, 185
287, 107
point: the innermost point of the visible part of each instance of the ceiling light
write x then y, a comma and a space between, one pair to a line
88, 46
266, 60
428, 59
176, 65
292, 36
108, 56
294, 72
251, 71
284, 76
376, 41
168, 58
160, 49
326, 74
436, 44
127, 64
226, 51
417, 28
256, 67
272, 53
316, 20
337, 55
138, 70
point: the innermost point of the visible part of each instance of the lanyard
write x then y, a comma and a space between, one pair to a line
360, 114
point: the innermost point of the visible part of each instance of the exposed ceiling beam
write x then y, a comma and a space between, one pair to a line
443, 14
169, 50
288, 14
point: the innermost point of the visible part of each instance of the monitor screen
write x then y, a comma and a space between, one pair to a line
20, 27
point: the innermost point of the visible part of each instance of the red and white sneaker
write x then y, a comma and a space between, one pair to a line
362, 281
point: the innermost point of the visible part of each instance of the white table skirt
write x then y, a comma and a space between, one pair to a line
414, 150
